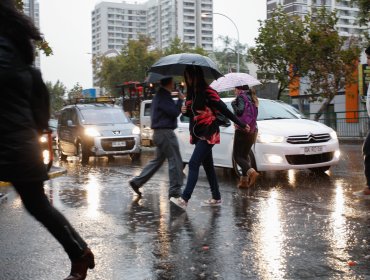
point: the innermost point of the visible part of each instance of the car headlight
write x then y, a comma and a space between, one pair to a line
268, 138
43, 139
93, 132
333, 135
136, 130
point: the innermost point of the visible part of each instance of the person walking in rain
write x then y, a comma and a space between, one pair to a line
366, 146
202, 103
164, 113
245, 107
22, 118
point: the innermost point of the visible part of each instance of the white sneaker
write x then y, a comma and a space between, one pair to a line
211, 202
178, 201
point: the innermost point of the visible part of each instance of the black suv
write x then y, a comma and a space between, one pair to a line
96, 129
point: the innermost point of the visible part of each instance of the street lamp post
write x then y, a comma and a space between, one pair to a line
237, 32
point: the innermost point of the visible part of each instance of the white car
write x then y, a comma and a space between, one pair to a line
285, 141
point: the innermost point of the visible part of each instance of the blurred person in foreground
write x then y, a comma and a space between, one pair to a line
245, 107
202, 105
24, 113
164, 113
366, 146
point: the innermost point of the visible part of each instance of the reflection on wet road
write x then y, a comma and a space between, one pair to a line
291, 225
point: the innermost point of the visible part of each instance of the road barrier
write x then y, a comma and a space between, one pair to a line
347, 124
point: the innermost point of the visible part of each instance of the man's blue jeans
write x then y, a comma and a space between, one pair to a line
202, 154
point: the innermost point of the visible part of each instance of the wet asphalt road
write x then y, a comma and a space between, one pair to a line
291, 225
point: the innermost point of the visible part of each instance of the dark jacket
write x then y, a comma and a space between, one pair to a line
20, 153
202, 110
164, 110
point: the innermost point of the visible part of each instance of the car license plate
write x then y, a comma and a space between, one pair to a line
313, 150
119, 144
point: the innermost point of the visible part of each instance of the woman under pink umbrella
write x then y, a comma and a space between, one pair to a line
245, 108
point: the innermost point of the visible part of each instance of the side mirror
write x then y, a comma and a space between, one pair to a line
70, 123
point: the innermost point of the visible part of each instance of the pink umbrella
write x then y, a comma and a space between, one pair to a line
232, 80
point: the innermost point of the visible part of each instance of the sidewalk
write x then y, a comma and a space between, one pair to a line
53, 173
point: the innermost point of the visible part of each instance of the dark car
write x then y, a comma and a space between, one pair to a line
96, 129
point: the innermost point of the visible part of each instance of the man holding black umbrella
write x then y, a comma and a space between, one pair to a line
164, 113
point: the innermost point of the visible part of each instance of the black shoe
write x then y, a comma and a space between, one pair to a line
135, 188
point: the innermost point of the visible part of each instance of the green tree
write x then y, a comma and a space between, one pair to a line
75, 92
57, 92
332, 59
131, 65
290, 47
177, 46
226, 55
134, 62
279, 49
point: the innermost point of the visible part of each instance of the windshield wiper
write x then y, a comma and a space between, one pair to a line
275, 118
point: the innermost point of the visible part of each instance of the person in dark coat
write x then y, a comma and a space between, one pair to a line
24, 113
164, 113
201, 106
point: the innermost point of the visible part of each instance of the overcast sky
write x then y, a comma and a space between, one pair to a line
66, 25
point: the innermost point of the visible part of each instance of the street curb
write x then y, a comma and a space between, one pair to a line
58, 171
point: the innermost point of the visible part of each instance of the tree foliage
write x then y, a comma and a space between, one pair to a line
332, 59
131, 64
290, 47
226, 55
177, 46
75, 92
57, 92
134, 62
279, 48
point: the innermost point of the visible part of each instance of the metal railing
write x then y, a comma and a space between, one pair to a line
347, 124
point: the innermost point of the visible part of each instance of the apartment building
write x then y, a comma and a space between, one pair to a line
31, 8
347, 15
113, 24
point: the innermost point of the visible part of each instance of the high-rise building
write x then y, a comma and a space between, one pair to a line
113, 24
31, 8
347, 24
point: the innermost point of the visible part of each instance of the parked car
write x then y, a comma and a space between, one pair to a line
285, 141
96, 129
145, 123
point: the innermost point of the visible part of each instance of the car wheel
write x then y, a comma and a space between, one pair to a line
82, 154
135, 156
61, 156
320, 169
110, 158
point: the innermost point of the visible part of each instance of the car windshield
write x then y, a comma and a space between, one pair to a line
294, 110
104, 116
270, 110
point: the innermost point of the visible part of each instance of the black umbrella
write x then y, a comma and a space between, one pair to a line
175, 64
155, 77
